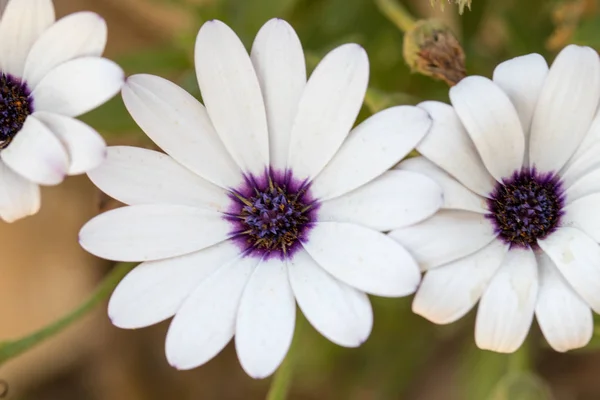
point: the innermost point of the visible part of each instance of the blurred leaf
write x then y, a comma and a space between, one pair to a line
158, 61
377, 100
111, 119
523, 386
588, 33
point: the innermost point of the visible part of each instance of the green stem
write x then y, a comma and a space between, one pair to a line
282, 380
396, 13
13, 348
280, 385
520, 360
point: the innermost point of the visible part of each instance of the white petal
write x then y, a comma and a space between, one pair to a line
447, 293
19, 197
522, 79
448, 145
585, 185
206, 321
492, 123
445, 237
265, 320
36, 154
152, 232
76, 35
139, 176
22, 23
232, 95
456, 196
278, 59
395, 199
85, 146
584, 213
339, 312
78, 86
507, 305
577, 257
564, 318
179, 125
153, 291
586, 156
565, 108
365, 259
372, 148
328, 108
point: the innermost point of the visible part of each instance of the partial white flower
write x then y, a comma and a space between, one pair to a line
264, 200
519, 162
50, 72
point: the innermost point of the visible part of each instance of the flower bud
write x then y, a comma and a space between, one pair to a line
431, 49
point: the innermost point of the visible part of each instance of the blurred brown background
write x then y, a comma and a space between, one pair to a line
45, 274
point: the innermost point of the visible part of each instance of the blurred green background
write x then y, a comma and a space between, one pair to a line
406, 357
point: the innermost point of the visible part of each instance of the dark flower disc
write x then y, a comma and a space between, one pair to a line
271, 214
526, 207
16, 105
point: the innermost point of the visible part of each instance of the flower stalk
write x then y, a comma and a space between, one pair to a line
13, 348
396, 13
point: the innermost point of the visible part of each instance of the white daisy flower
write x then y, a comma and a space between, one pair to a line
518, 159
50, 72
263, 200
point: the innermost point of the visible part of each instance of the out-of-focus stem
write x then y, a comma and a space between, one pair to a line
13, 348
396, 13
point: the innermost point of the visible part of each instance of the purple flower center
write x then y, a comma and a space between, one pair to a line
271, 214
526, 207
15, 106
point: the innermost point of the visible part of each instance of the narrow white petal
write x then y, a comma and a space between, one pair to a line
278, 59
337, 311
265, 320
85, 146
205, 323
37, 154
447, 293
363, 258
448, 145
577, 257
19, 197
586, 157
139, 176
564, 318
445, 237
584, 213
22, 23
565, 108
328, 108
587, 184
522, 79
455, 195
154, 291
507, 305
232, 95
179, 125
372, 148
492, 123
152, 232
393, 200
76, 35
78, 86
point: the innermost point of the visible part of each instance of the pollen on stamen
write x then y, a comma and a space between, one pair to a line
526, 207
271, 214
16, 104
